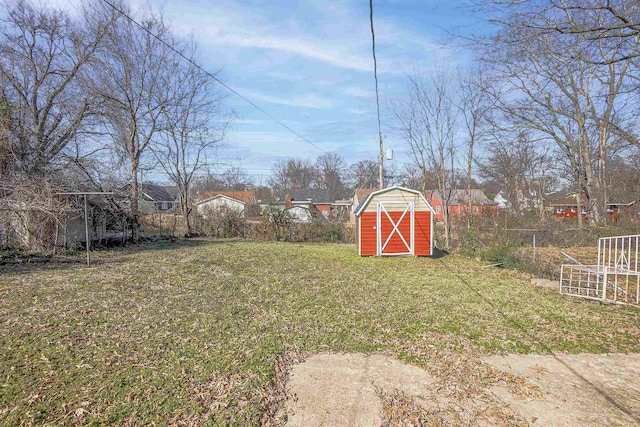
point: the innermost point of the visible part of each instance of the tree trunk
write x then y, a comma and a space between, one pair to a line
469, 166
133, 200
579, 205
184, 206
445, 217
541, 201
591, 189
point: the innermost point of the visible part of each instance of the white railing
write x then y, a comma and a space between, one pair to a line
616, 277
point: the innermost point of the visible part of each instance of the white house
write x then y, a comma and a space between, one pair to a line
236, 201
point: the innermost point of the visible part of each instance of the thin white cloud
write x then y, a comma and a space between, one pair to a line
310, 49
359, 93
248, 121
357, 111
304, 101
283, 144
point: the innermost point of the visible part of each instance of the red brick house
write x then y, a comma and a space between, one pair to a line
568, 208
481, 205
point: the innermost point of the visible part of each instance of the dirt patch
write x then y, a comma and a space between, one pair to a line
374, 390
342, 389
361, 390
546, 283
584, 389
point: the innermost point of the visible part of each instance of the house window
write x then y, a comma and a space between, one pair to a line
573, 209
437, 210
610, 208
584, 211
560, 210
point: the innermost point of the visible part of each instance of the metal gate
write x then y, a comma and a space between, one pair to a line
395, 228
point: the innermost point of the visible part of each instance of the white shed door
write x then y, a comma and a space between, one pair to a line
395, 227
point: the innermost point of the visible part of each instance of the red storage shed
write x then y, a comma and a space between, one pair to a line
394, 221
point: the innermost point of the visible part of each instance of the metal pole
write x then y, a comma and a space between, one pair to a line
381, 164
534, 249
86, 229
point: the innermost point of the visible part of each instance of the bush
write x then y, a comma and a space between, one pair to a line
505, 255
224, 223
470, 244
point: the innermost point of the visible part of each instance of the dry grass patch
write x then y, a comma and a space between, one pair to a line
202, 332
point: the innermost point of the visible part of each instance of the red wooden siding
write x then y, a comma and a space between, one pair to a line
388, 206
395, 244
571, 211
422, 234
366, 237
567, 212
367, 234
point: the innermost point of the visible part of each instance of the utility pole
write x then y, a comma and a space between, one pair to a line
375, 75
381, 163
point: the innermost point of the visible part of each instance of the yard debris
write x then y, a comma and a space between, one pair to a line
274, 399
492, 265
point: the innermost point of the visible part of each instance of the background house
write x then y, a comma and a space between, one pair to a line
502, 202
358, 197
242, 202
155, 197
459, 203
300, 214
567, 207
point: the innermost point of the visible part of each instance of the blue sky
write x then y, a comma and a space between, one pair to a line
309, 64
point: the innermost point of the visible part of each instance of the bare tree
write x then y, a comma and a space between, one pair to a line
292, 174
363, 174
553, 85
188, 133
426, 120
474, 105
331, 171
624, 177
612, 23
520, 168
235, 178
43, 54
135, 81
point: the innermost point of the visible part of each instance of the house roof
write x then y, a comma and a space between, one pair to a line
242, 196
374, 193
308, 195
155, 193
173, 191
460, 197
362, 193
566, 201
571, 201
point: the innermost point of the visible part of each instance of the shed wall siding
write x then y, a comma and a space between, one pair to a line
397, 196
368, 236
422, 234
366, 222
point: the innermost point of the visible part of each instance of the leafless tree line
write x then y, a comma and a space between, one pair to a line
85, 94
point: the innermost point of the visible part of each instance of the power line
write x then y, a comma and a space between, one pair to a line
211, 75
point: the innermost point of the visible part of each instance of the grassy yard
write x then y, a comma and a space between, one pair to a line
198, 332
